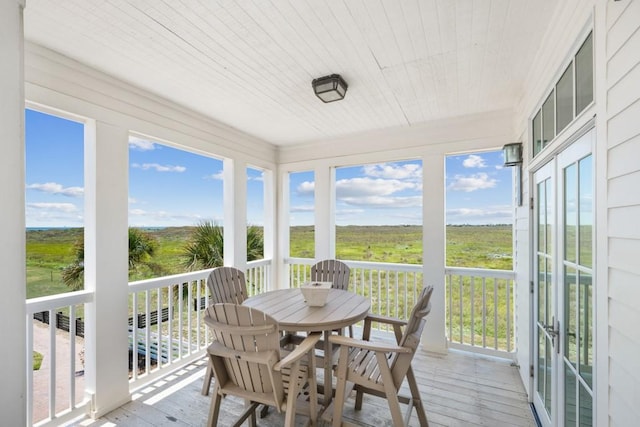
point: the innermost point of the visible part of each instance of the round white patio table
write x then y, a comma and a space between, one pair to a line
287, 307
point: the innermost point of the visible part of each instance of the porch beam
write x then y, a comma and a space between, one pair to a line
12, 215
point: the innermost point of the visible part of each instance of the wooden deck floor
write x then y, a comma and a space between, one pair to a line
459, 389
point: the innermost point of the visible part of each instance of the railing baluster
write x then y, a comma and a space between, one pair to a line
472, 284
460, 302
448, 290
508, 286
484, 312
495, 313
72, 356
53, 324
147, 332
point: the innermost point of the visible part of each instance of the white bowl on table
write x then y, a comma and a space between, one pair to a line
315, 293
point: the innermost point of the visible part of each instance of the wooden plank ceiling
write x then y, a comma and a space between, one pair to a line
249, 63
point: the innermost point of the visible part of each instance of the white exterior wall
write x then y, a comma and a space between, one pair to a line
622, 147
616, 27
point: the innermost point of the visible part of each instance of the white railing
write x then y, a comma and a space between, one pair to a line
479, 302
56, 391
175, 334
391, 288
480, 310
166, 314
258, 276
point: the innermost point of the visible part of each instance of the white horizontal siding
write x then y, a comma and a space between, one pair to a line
623, 142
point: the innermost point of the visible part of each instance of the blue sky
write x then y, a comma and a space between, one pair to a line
172, 187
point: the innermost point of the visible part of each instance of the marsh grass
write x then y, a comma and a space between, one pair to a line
391, 293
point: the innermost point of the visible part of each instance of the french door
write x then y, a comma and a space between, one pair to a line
563, 286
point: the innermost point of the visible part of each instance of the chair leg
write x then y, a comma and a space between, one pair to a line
390, 390
417, 401
214, 410
292, 395
341, 386
208, 375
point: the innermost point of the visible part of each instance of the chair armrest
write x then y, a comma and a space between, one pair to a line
368, 345
268, 358
306, 346
385, 319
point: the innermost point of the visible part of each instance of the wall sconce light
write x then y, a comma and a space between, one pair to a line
513, 157
512, 154
330, 88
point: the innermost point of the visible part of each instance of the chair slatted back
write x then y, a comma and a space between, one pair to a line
227, 284
411, 335
245, 348
332, 270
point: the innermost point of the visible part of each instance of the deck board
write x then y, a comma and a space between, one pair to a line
459, 389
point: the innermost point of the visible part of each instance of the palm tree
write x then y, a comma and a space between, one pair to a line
205, 248
141, 247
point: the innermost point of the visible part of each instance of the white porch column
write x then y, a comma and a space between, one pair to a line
283, 230
325, 230
433, 249
235, 213
12, 222
106, 265
270, 223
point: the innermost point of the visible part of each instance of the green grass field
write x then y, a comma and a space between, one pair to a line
48, 251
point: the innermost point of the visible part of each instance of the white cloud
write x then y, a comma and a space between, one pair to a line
132, 200
140, 144
158, 168
302, 208
58, 207
488, 215
474, 161
384, 202
306, 187
218, 176
55, 188
152, 217
409, 171
343, 212
361, 187
469, 183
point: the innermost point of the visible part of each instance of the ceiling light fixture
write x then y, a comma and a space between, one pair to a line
330, 88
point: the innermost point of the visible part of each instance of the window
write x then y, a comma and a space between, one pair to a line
54, 195
378, 212
572, 93
255, 214
479, 211
175, 197
301, 214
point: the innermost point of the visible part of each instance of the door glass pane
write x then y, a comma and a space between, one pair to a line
549, 219
537, 133
570, 212
542, 286
548, 390
585, 327
570, 315
569, 397
564, 99
549, 284
585, 204
542, 207
548, 120
585, 407
541, 362
584, 75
